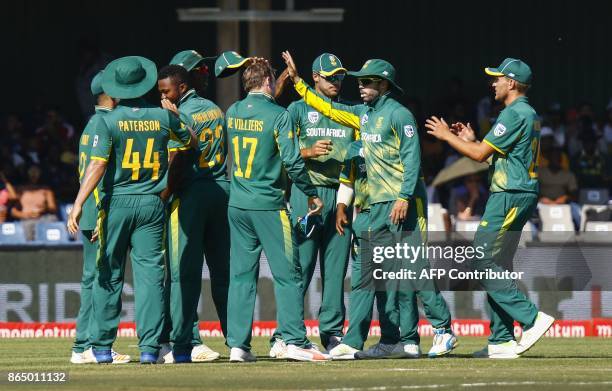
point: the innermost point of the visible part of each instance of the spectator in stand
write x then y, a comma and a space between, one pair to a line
547, 146
36, 203
55, 129
558, 186
554, 121
7, 195
607, 128
468, 200
591, 166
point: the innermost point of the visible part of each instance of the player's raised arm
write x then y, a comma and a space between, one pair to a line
343, 114
292, 160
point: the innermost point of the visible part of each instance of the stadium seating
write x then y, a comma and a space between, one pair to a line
598, 226
64, 211
594, 196
12, 233
555, 219
435, 218
593, 213
52, 233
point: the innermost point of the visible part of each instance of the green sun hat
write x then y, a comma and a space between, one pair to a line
229, 63
96, 84
380, 69
129, 77
514, 69
327, 64
189, 59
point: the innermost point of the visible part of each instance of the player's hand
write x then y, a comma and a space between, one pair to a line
463, 131
291, 68
438, 128
320, 148
280, 83
166, 104
341, 219
399, 212
315, 206
73, 219
95, 235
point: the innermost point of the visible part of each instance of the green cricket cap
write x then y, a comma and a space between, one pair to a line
378, 68
189, 59
96, 84
229, 63
129, 77
327, 64
514, 69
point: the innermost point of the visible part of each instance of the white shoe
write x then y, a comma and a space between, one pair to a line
119, 358
77, 358
443, 343
165, 354
202, 353
412, 350
279, 349
533, 335
333, 342
240, 355
506, 350
305, 354
343, 352
382, 350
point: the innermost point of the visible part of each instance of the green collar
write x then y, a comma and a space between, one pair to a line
519, 99
261, 95
188, 95
102, 109
377, 103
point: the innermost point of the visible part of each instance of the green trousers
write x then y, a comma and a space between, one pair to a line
499, 232
413, 230
333, 253
363, 293
197, 226
252, 231
135, 222
81, 341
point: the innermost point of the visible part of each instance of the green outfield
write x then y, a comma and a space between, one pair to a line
553, 364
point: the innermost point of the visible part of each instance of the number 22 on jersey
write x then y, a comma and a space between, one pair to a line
249, 143
131, 160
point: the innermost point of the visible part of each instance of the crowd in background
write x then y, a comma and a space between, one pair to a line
38, 161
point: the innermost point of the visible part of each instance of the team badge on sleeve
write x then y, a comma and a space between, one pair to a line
499, 130
95, 141
408, 130
313, 117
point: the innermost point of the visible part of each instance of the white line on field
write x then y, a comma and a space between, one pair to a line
466, 385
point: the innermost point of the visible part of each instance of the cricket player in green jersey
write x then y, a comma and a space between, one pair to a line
196, 65
513, 142
87, 225
323, 145
261, 136
129, 154
392, 154
195, 227
354, 181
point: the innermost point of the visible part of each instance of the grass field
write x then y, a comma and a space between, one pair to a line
553, 364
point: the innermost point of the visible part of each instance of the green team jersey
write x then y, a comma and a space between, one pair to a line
355, 174
133, 138
515, 137
312, 126
390, 139
89, 214
261, 136
206, 120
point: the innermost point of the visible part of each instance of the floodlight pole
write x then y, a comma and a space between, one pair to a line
259, 15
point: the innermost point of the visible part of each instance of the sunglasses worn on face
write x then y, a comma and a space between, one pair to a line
364, 81
337, 78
